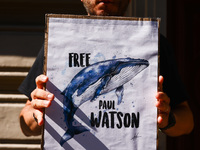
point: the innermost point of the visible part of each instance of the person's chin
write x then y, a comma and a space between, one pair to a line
102, 13
106, 9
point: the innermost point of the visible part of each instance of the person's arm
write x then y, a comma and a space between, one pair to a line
31, 116
182, 113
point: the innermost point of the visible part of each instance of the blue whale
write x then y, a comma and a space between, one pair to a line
93, 81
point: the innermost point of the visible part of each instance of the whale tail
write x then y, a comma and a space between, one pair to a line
67, 136
69, 111
71, 132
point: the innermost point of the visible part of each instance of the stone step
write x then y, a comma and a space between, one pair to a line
10, 81
15, 63
13, 70
9, 126
20, 146
12, 98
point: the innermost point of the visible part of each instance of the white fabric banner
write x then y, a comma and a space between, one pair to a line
103, 73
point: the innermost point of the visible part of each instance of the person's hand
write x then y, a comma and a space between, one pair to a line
40, 99
162, 104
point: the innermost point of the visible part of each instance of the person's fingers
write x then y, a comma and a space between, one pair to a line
163, 107
39, 104
161, 96
41, 94
162, 120
160, 81
41, 99
163, 111
38, 117
40, 81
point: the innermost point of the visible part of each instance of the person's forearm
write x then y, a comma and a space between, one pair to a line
184, 121
27, 123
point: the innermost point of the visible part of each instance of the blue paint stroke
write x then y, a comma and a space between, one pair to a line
93, 81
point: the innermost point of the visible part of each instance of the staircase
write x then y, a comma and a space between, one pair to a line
13, 69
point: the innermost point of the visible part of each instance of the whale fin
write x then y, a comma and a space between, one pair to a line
119, 92
104, 82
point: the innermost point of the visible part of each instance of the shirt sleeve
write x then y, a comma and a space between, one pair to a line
28, 85
172, 85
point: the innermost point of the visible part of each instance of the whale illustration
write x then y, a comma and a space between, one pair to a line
93, 81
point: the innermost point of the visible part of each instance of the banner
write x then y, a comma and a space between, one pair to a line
103, 72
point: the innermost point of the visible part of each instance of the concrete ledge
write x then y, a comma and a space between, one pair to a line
13, 98
16, 61
10, 81
20, 146
13, 74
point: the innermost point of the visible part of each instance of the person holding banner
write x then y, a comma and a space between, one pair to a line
174, 115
